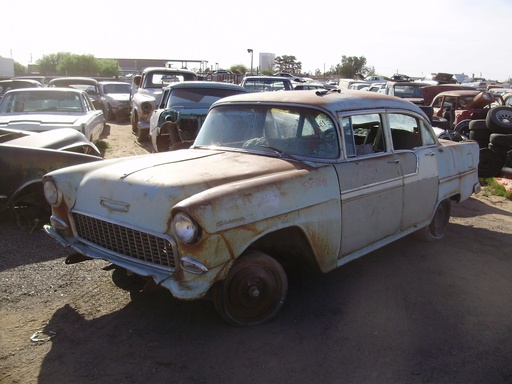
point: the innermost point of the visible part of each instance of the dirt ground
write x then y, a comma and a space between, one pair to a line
408, 313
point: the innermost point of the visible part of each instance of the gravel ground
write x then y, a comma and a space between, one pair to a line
408, 313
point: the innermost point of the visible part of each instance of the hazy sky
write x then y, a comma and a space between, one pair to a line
411, 37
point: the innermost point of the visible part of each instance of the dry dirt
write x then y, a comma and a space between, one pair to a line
408, 313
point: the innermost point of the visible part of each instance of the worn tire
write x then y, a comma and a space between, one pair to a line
478, 131
501, 140
463, 127
436, 230
452, 136
499, 120
253, 292
490, 163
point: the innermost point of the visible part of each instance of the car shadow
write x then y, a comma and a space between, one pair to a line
474, 207
404, 313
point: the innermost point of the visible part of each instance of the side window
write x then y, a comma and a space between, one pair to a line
437, 102
362, 134
405, 131
428, 136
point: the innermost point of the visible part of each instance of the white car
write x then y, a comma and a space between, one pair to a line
117, 96
44, 109
148, 92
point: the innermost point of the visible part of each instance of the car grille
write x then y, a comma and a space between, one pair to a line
125, 241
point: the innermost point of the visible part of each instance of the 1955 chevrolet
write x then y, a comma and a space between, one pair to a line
273, 180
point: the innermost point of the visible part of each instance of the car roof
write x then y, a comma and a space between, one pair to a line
165, 69
205, 84
266, 77
45, 89
458, 93
67, 80
335, 100
113, 82
20, 81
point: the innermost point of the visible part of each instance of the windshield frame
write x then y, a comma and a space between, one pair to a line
272, 129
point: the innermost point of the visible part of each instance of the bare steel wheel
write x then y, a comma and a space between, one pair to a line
253, 292
436, 230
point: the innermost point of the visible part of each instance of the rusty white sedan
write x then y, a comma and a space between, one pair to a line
44, 109
274, 180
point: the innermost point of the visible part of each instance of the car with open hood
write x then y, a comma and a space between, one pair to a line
25, 157
182, 110
274, 181
147, 93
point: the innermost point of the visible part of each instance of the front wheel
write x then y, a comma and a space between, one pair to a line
253, 292
436, 230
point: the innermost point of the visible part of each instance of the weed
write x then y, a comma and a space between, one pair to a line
491, 187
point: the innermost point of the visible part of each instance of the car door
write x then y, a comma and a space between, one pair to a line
414, 146
371, 184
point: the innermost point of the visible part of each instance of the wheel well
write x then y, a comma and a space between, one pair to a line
290, 247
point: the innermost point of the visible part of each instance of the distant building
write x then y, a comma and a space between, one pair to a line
266, 61
6, 67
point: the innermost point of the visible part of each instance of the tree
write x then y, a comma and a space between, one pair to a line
350, 67
238, 69
68, 64
48, 63
288, 64
19, 69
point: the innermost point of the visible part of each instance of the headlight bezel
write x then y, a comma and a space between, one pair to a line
185, 228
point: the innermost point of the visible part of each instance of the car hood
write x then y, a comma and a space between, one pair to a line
141, 191
118, 96
32, 121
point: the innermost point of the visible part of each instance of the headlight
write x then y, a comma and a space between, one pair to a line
52, 193
184, 228
147, 107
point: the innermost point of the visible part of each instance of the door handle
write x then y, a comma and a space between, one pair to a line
395, 161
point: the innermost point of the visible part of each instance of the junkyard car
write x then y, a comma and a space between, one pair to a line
117, 96
148, 93
182, 110
89, 85
459, 107
266, 83
409, 90
7, 85
273, 180
26, 156
44, 109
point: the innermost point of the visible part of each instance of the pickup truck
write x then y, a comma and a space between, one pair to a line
147, 93
273, 181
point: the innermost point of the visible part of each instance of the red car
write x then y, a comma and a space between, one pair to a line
458, 106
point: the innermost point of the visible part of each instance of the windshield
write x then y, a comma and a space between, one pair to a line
162, 79
266, 85
116, 88
199, 98
45, 101
408, 91
293, 131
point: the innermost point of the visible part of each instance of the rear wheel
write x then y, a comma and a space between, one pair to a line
436, 230
253, 292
